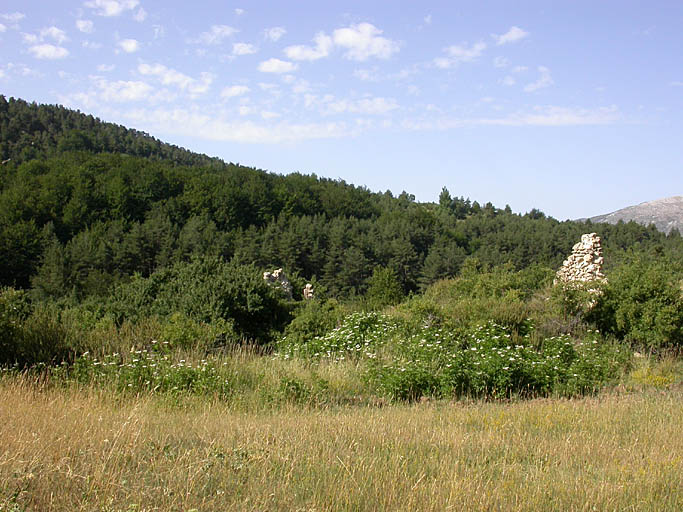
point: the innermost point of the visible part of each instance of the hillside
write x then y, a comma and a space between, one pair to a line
666, 214
85, 205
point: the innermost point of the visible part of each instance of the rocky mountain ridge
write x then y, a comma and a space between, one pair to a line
666, 214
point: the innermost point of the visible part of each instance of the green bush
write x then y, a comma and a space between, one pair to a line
642, 303
490, 361
313, 318
29, 335
207, 290
384, 288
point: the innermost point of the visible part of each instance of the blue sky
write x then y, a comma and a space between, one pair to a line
575, 108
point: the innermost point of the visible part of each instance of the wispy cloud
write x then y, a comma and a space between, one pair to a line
234, 90
129, 45
168, 76
511, 36
215, 35
85, 26
140, 15
323, 45
363, 41
545, 80
460, 53
48, 51
218, 127
243, 49
13, 18
276, 66
501, 62
558, 116
111, 8
274, 33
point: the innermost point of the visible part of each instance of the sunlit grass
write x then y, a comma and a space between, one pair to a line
88, 448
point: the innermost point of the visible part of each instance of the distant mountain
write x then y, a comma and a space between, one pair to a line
666, 214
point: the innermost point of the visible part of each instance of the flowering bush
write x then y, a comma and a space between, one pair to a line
150, 370
489, 360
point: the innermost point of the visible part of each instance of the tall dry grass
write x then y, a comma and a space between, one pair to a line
83, 449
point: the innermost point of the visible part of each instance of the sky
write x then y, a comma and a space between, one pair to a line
571, 107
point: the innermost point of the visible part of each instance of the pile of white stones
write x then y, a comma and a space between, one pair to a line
584, 264
279, 279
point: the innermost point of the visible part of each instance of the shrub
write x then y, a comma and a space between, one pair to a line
642, 303
313, 318
29, 335
384, 288
207, 290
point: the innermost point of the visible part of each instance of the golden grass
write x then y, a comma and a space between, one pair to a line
83, 449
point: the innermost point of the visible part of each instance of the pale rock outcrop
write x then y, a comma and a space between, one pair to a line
308, 291
584, 264
279, 279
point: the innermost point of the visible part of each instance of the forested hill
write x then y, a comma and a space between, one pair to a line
84, 205
29, 131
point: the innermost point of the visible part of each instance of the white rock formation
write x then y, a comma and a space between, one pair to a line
278, 278
308, 291
584, 264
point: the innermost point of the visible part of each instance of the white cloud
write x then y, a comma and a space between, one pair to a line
2, 27
549, 116
501, 62
364, 41
111, 7
234, 90
276, 66
140, 16
85, 26
545, 80
54, 33
511, 36
427, 19
29, 38
509, 80
323, 45
243, 49
48, 51
274, 33
123, 91
558, 116
239, 12
213, 127
129, 45
367, 75
267, 114
329, 105
13, 18
91, 45
184, 82
216, 34
519, 69
460, 53
676, 84
364, 106
104, 68
244, 110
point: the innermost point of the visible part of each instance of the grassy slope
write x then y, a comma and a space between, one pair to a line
82, 449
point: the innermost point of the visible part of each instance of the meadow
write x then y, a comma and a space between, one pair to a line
73, 446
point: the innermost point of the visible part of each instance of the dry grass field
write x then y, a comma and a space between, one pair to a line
76, 448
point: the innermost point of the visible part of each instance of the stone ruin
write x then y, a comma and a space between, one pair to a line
308, 291
278, 279
584, 264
